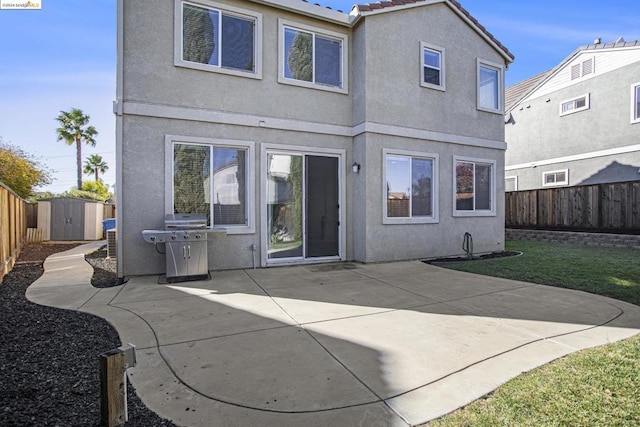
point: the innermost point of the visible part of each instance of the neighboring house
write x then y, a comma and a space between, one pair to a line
578, 123
371, 136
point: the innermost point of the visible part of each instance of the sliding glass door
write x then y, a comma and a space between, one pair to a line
303, 209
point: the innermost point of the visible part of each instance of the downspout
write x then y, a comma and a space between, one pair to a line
117, 110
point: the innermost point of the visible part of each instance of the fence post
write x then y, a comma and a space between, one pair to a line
113, 385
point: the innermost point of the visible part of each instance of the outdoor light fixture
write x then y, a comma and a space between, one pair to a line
355, 167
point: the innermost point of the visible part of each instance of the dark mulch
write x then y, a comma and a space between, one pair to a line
49, 372
492, 255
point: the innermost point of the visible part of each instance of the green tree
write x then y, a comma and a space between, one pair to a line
20, 171
74, 128
94, 165
97, 188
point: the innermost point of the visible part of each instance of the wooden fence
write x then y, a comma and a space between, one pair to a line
597, 207
109, 211
13, 227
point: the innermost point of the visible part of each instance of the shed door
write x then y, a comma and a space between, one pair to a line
67, 220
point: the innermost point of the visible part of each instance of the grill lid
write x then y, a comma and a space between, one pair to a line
185, 221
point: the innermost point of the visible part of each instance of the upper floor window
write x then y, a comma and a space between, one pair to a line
574, 105
635, 103
490, 86
211, 177
552, 178
475, 187
582, 69
433, 66
411, 187
311, 57
217, 38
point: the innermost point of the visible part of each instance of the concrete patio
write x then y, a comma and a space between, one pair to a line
334, 344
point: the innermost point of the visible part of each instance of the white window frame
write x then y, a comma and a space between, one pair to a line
229, 10
556, 183
249, 146
492, 192
441, 51
344, 62
481, 63
515, 181
433, 219
635, 98
587, 104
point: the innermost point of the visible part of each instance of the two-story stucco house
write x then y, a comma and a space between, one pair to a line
578, 123
308, 134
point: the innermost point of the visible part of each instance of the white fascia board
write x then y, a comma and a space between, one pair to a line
311, 10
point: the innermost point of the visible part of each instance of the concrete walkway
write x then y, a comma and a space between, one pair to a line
336, 344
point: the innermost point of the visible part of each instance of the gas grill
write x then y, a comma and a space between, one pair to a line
185, 239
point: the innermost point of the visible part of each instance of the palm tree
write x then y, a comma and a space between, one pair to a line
73, 130
95, 165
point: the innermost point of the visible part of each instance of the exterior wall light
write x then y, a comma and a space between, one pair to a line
355, 167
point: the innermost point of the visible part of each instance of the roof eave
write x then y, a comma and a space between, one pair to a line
311, 10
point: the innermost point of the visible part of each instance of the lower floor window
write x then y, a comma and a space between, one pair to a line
474, 186
410, 186
211, 180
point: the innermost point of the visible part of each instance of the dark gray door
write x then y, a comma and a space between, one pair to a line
67, 219
322, 207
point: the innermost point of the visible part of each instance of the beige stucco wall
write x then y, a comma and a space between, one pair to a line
144, 200
391, 69
151, 77
375, 241
386, 91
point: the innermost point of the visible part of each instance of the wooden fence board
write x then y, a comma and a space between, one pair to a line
611, 206
12, 228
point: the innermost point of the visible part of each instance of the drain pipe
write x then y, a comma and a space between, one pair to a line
467, 245
253, 249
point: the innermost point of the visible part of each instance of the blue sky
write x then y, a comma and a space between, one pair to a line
63, 56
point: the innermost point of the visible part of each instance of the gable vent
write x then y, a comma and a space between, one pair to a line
575, 72
587, 67
582, 69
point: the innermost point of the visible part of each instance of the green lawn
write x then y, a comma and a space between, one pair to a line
596, 387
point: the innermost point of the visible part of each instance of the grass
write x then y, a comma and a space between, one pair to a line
592, 387
613, 272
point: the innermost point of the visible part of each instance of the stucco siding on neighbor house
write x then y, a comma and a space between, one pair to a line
594, 143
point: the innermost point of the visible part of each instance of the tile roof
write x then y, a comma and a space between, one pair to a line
514, 93
371, 7
612, 45
325, 7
